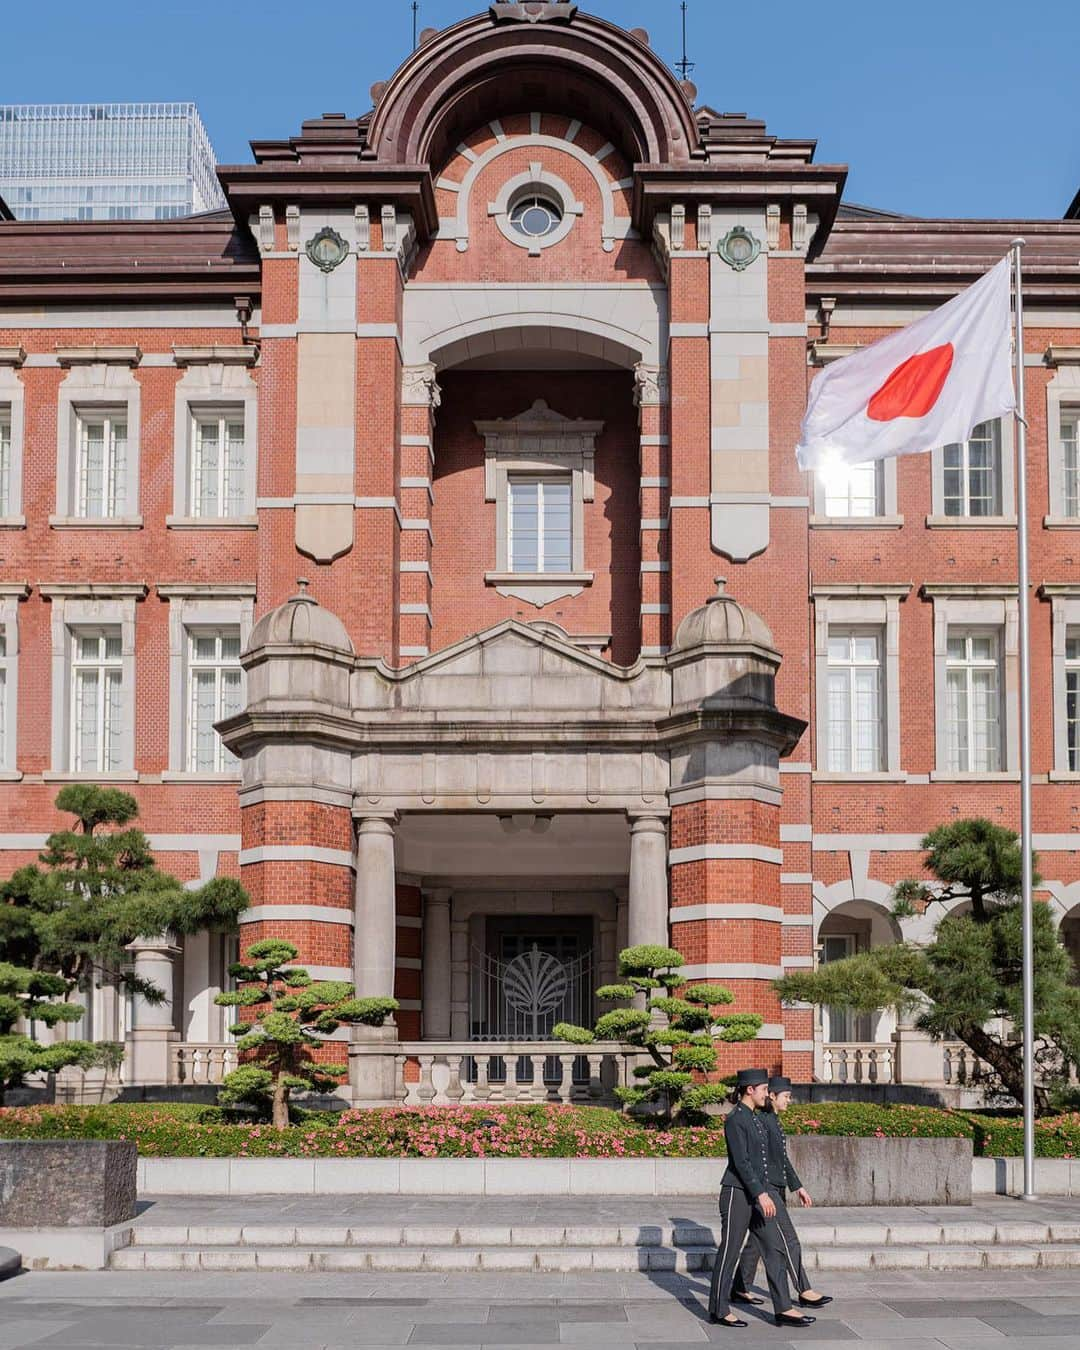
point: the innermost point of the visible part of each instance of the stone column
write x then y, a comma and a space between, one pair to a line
153, 1033
371, 1055
647, 919
435, 1006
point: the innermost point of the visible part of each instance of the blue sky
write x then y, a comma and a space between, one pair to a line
939, 107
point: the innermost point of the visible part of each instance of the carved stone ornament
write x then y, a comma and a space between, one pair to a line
738, 248
534, 11
326, 249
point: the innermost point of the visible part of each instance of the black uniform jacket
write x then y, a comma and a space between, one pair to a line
781, 1172
747, 1145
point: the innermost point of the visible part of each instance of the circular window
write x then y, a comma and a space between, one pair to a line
535, 216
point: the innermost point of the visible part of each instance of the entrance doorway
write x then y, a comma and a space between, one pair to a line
531, 973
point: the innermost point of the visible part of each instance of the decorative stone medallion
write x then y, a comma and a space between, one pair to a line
326, 249
534, 11
738, 248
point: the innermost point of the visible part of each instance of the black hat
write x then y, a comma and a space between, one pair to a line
779, 1083
751, 1078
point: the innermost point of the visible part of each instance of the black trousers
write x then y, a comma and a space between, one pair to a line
740, 1219
792, 1249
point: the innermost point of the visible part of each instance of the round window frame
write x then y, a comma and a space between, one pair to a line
539, 183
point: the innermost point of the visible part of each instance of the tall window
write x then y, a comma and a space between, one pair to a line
1072, 698
539, 524
855, 489
217, 464
100, 464
214, 683
3, 700
96, 699
973, 702
1070, 450
5, 460
972, 478
854, 708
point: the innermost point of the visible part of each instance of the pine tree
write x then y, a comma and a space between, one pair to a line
966, 983
293, 1016
681, 1049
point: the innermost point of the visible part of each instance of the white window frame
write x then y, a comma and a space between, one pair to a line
99, 381
223, 416
11, 411
851, 665
985, 607
114, 462
542, 482
1006, 486
854, 605
1072, 674
539, 443
199, 605
1064, 600
1062, 402
224, 762
216, 381
80, 605
104, 667
11, 592
5, 460
969, 665
886, 517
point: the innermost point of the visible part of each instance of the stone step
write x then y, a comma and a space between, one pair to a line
813, 1235
567, 1258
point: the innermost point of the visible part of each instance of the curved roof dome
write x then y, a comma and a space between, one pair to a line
721, 619
301, 619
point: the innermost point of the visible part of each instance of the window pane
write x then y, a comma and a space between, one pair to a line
113, 647
839, 741
982, 647
524, 525
865, 647
204, 646
233, 493
113, 718
1072, 718
203, 736
91, 471
956, 710
206, 496
839, 648
1070, 446
957, 648
555, 500
855, 489
5, 464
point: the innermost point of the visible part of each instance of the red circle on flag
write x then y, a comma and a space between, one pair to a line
913, 387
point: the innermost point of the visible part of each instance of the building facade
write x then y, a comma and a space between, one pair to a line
106, 161
510, 371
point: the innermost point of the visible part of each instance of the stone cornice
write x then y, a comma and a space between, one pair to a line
981, 590
226, 355
738, 721
216, 590
19, 589
93, 590
93, 354
12, 356
859, 589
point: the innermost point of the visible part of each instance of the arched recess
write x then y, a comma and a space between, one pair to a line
847, 927
534, 346
476, 69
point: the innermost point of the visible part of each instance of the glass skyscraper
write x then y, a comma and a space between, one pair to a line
106, 161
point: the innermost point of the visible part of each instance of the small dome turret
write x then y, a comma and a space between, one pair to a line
721, 619
301, 620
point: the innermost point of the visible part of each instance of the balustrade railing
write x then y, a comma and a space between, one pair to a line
201, 1062
857, 1062
459, 1073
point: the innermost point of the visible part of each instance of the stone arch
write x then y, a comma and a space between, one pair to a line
594, 340
475, 69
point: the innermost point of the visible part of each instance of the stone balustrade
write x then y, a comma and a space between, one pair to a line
201, 1062
452, 1073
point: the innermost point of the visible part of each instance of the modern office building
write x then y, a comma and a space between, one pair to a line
106, 161
511, 369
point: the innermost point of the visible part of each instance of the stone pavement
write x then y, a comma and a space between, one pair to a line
1014, 1311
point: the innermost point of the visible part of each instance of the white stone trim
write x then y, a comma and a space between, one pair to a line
265, 853
993, 607
725, 852
322, 972
796, 878
731, 970
212, 386
1062, 391
12, 398
203, 605
798, 921
536, 177
804, 962
747, 910
796, 834
297, 913
798, 1045
1064, 614
100, 384
861, 606
457, 228
10, 595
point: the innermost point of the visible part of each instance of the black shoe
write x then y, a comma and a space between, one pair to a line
723, 1321
815, 1302
782, 1321
750, 1298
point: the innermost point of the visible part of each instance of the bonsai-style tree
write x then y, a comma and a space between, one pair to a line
681, 1049
31, 996
293, 1016
969, 975
66, 923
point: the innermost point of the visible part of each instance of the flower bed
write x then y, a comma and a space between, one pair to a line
165, 1131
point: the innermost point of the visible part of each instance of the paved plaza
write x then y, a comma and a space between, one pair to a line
1017, 1311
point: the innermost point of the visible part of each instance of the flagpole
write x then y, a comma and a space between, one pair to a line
1026, 898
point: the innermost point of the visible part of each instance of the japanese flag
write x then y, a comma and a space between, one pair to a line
930, 384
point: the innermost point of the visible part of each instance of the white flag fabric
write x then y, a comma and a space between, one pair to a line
930, 384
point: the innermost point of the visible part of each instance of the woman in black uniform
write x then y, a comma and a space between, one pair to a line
748, 1206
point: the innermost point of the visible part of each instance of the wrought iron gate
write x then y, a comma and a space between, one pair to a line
524, 998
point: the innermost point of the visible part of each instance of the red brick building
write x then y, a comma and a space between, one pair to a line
510, 369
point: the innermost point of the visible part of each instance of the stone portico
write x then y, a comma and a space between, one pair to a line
389, 814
